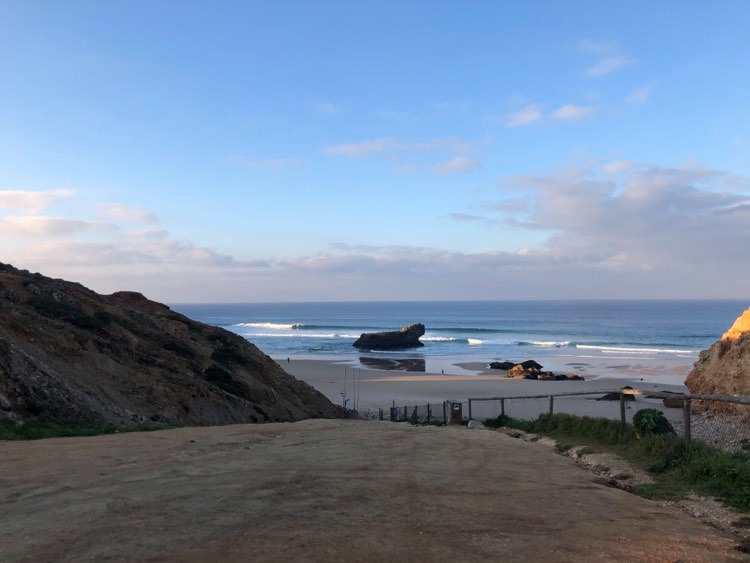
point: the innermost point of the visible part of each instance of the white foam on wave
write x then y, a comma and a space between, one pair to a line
275, 326
621, 349
546, 343
475, 341
438, 338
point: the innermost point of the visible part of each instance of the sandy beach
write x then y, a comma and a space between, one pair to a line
377, 388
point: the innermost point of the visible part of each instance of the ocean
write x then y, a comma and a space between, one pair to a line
555, 333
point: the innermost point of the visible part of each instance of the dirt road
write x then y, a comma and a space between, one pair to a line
326, 491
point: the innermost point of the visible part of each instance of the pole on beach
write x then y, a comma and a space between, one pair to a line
551, 405
502, 407
469, 409
622, 410
686, 417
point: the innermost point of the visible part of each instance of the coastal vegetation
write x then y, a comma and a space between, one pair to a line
678, 467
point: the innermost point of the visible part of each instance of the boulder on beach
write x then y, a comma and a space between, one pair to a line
531, 369
724, 368
406, 337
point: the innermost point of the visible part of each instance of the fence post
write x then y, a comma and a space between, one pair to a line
502, 407
622, 410
445, 414
429, 412
469, 409
686, 417
380, 414
551, 405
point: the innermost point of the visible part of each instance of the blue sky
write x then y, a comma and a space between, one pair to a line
291, 151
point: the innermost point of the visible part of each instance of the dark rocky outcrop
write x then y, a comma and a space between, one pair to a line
502, 365
531, 369
406, 337
724, 368
69, 354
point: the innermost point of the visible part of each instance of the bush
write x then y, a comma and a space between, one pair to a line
651, 421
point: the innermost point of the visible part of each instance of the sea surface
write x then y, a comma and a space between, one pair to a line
560, 332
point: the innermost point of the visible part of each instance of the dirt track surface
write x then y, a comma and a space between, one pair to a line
326, 491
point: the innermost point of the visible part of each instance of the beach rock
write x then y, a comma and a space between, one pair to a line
474, 424
502, 365
70, 354
406, 337
531, 364
527, 370
724, 368
519, 372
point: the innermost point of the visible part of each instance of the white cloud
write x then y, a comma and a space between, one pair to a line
610, 57
363, 148
389, 147
608, 65
641, 95
456, 165
526, 116
31, 201
39, 226
571, 112
127, 213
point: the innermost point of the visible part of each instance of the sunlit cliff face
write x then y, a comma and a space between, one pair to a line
740, 326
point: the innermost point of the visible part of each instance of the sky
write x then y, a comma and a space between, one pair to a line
393, 150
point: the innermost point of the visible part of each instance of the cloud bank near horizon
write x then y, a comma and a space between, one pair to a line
616, 229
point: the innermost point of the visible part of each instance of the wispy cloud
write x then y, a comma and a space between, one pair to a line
609, 57
386, 146
40, 226
608, 65
526, 116
571, 112
127, 213
369, 147
32, 201
456, 165
326, 107
641, 95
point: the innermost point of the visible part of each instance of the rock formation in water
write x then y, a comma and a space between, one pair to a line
724, 369
69, 354
407, 337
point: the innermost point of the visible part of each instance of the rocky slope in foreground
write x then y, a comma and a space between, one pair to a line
724, 369
70, 354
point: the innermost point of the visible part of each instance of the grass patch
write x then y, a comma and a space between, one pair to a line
678, 467
41, 429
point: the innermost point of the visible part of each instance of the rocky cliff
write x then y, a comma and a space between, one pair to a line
724, 369
70, 354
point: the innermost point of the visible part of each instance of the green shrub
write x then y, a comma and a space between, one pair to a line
651, 421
